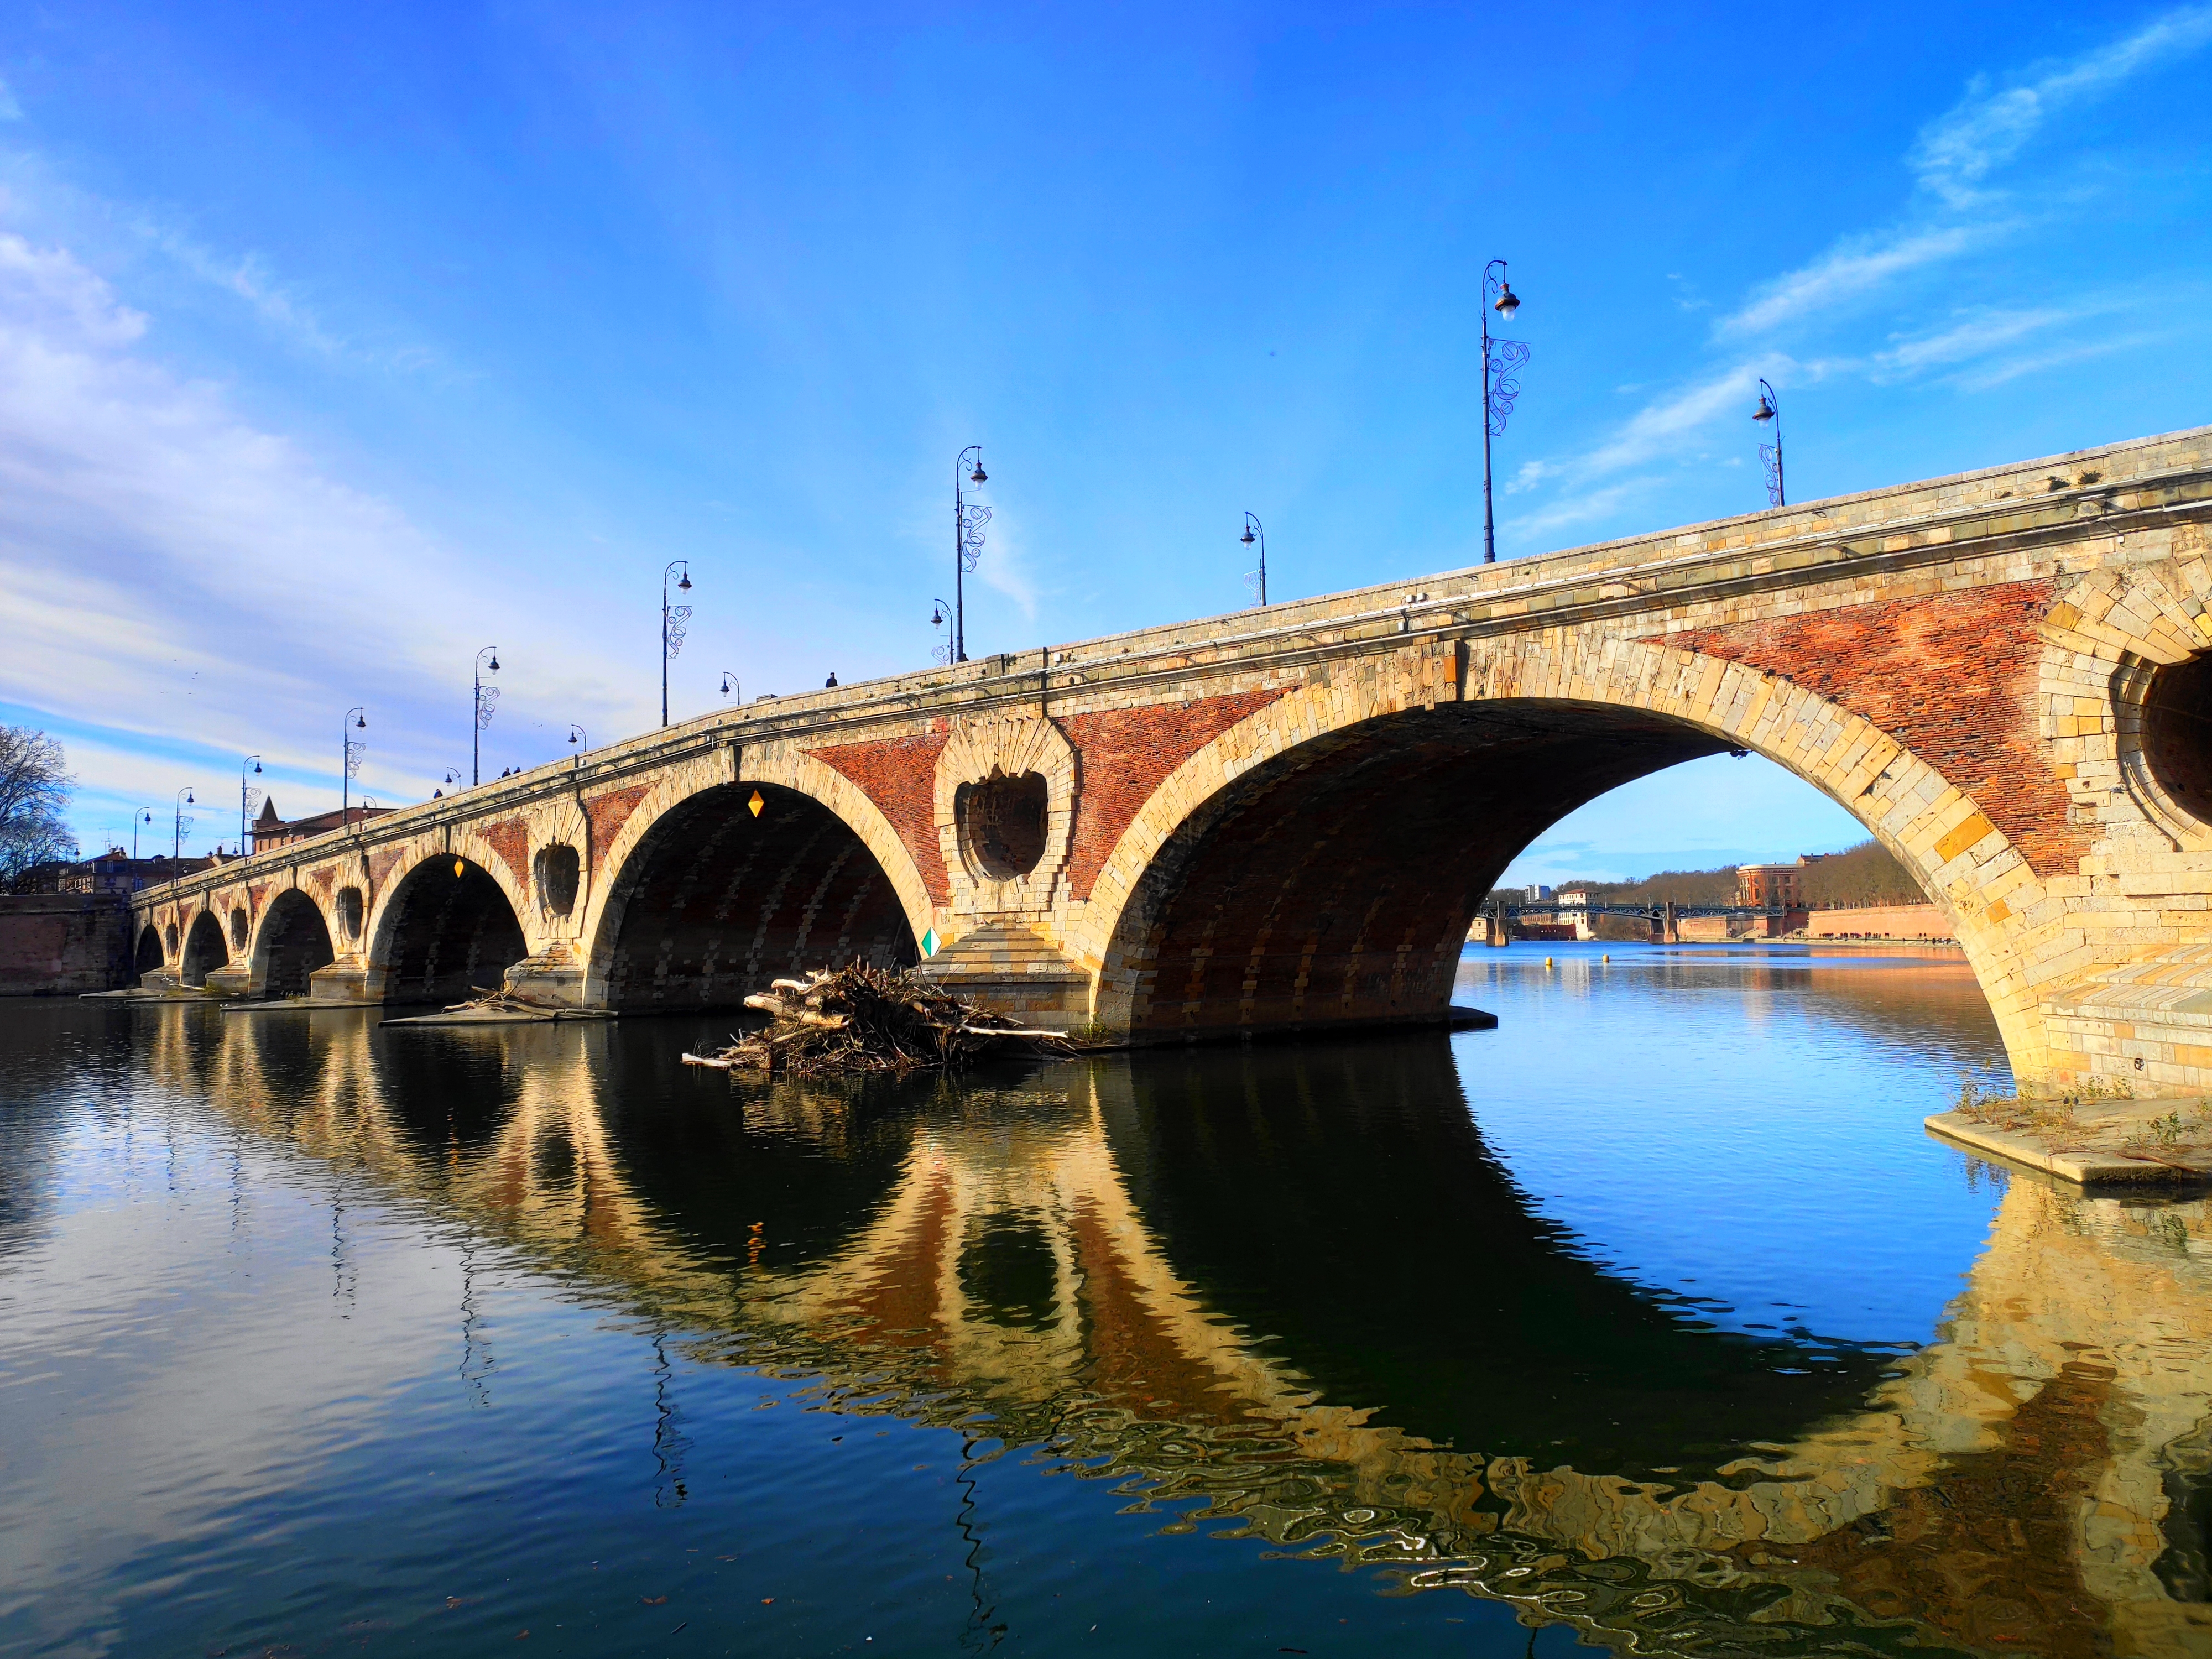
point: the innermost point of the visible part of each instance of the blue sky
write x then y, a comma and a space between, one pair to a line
335, 344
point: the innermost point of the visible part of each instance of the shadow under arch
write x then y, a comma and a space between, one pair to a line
292, 942
149, 959
1342, 1197
447, 930
1334, 884
205, 948
716, 900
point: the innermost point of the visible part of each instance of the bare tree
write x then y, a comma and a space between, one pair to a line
34, 794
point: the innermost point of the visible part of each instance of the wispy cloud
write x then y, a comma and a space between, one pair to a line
1846, 272
1990, 126
1974, 336
10, 109
2013, 368
1659, 427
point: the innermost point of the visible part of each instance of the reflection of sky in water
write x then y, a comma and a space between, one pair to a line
1742, 1124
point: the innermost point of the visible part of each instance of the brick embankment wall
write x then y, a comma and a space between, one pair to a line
1881, 921
64, 944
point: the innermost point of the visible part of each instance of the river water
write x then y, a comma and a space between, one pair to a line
1651, 1319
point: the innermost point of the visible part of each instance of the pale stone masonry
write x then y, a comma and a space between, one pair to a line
1285, 817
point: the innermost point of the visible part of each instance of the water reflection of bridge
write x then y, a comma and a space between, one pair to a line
1086, 1258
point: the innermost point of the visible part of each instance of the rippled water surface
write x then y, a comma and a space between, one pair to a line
1651, 1319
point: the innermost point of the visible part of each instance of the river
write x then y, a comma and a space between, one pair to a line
1650, 1320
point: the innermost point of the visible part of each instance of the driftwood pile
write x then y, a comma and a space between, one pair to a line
864, 1019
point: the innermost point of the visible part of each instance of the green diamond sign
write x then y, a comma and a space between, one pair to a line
930, 942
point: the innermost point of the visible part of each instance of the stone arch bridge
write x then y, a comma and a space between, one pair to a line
1285, 818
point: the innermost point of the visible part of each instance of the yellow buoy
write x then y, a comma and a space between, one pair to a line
1547, 962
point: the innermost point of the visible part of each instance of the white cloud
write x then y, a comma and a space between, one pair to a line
1987, 129
2013, 368
1846, 272
1658, 429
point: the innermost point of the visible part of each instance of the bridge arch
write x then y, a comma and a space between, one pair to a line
446, 929
204, 949
149, 958
293, 940
1321, 862
710, 898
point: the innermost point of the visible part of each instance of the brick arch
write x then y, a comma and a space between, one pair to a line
205, 947
818, 876
447, 926
1547, 722
293, 936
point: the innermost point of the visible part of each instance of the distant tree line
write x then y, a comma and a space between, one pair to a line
34, 794
1864, 875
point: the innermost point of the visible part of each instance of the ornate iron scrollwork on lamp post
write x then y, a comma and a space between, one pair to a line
1256, 579
248, 799
354, 750
674, 619
487, 701
183, 824
1770, 409
968, 521
1502, 363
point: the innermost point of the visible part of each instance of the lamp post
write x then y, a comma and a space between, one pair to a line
1256, 579
1502, 363
1770, 409
246, 792
968, 522
674, 618
144, 814
940, 617
578, 741
453, 775
730, 684
353, 751
177, 845
487, 700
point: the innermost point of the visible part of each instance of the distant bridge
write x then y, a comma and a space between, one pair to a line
1286, 818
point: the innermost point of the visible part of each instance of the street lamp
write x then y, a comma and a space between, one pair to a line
1502, 363
144, 814
487, 701
968, 522
453, 775
578, 741
730, 684
674, 618
940, 653
353, 751
1256, 579
183, 799
246, 792
1770, 409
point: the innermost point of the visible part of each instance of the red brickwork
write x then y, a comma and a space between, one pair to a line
607, 813
1952, 677
1122, 757
510, 839
381, 865
900, 776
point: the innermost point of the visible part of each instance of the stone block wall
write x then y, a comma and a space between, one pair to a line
64, 944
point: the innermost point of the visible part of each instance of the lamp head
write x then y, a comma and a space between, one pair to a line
493, 664
937, 616
189, 798
1765, 412
1506, 304
686, 584
1247, 537
361, 723
726, 685
257, 768
979, 475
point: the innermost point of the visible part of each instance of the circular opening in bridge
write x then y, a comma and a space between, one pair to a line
2178, 733
239, 929
350, 908
1002, 824
559, 871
